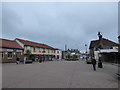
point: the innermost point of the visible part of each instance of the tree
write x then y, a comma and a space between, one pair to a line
28, 53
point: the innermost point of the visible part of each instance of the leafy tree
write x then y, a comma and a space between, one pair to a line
28, 53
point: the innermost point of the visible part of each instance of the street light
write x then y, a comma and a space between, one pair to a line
119, 43
86, 48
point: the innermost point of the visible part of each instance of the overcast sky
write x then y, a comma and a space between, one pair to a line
57, 24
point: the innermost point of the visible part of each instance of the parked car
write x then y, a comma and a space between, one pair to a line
29, 61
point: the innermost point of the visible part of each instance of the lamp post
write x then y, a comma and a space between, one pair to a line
119, 43
86, 50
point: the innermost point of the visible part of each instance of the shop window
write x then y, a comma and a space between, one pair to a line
9, 55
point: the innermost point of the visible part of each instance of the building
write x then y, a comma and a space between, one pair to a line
37, 50
58, 54
104, 49
10, 50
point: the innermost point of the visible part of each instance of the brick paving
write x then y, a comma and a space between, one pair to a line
58, 74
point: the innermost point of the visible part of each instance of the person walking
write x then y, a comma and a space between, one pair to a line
17, 60
94, 64
40, 60
24, 60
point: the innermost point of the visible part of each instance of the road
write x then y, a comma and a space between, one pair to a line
58, 74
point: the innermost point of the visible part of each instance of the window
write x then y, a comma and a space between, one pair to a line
34, 49
9, 55
107, 47
43, 50
40, 49
111, 47
96, 49
1, 55
48, 50
28, 47
57, 51
52, 51
18, 54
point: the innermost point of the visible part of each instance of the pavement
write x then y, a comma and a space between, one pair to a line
58, 74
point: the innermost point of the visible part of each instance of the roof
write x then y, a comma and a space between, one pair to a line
9, 44
33, 44
105, 42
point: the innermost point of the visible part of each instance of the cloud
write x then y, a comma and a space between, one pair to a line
57, 24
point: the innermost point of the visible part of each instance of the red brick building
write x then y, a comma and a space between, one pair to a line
10, 50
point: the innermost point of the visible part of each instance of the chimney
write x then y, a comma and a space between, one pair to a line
100, 36
100, 39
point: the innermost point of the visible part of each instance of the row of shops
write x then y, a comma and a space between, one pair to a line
10, 50
42, 57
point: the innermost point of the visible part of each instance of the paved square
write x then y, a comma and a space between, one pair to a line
58, 74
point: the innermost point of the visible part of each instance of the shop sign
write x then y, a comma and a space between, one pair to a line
1, 49
9, 50
18, 50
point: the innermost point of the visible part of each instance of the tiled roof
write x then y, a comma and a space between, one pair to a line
9, 44
33, 44
105, 42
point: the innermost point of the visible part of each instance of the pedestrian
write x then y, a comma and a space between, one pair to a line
40, 60
24, 60
17, 60
94, 64
100, 63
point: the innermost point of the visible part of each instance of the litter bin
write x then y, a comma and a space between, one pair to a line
100, 64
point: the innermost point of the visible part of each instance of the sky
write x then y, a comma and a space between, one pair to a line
58, 23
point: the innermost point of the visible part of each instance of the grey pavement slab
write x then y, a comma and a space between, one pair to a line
58, 74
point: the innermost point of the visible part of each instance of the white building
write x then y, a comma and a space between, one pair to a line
58, 54
103, 49
98, 53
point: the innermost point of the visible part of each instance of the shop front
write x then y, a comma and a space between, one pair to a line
10, 55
